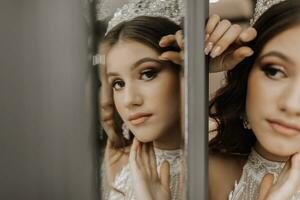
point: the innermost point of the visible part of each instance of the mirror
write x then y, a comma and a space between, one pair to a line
256, 111
141, 71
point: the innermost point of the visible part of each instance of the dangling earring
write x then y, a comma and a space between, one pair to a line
246, 124
125, 131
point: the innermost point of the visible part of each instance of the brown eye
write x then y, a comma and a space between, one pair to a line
149, 74
272, 72
118, 84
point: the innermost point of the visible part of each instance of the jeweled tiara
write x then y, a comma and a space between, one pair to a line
171, 9
261, 7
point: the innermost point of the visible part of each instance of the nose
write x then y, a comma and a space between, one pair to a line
133, 96
290, 99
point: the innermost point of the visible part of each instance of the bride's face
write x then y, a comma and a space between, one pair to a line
145, 90
273, 95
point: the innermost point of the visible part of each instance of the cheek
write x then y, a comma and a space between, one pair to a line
166, 91
119, 104
258, 99
263, 93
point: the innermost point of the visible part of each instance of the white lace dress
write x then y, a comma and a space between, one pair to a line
123, 180
254, 170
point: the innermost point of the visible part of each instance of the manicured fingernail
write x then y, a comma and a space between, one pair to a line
208, 48
162, 58
206, 36
162, 41
250, 53
215, 52
244, 36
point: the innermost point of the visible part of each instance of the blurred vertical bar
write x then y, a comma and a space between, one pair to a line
48, 107
196, 107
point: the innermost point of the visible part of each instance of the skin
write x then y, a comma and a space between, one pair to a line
280, 80
148, 185
144, 84
231, 53
273, 93
146, 182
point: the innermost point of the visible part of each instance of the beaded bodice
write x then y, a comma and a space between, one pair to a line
254, 170
123, 180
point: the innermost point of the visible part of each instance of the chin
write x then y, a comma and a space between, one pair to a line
144, 139
282, 150
146, 134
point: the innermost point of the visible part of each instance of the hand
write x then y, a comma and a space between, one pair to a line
146, 182
176, 40
287, 185
114, 160
224, 43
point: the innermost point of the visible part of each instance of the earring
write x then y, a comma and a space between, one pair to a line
246, 124
125, 131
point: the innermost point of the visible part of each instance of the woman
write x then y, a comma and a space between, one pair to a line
258, 115
144, 72
145, 95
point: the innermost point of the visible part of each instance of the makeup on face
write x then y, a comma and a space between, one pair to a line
145, 91
273, 96
275, 65
144, 69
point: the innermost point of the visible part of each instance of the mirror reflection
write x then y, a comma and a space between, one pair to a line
255, 113
141, 68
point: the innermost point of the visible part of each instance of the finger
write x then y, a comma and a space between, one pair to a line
265, 186
173, 56
145, 157
248, 35
295, 171
153, 161
221, 28
168, 40
108, 143
211, 24
226, 40
133, 150
287, 184
133, 154
165, 174
115, 157
179, 39
139, 156
285, 170
231, 60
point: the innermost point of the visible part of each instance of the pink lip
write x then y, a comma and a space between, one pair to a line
284, 127
138, 118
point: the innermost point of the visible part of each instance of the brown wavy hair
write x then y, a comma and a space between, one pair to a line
228, 105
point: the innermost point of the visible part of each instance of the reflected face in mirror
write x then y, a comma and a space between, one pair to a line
273, 95
145, 92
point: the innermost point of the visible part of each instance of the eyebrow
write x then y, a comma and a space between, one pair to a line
277, 54
136, 64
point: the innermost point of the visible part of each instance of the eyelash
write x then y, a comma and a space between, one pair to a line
147, 75
152, 72
117, 82
272, 72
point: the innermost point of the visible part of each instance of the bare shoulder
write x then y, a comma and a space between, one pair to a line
223, 171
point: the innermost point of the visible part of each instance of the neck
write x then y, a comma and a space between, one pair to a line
267, 155
171, 140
